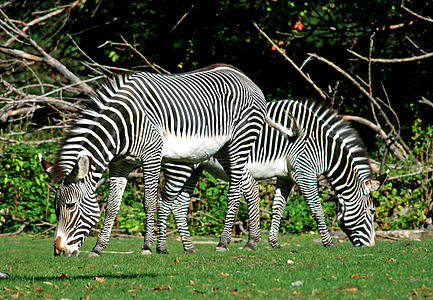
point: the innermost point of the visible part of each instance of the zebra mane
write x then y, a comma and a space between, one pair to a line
347, 136
92, 104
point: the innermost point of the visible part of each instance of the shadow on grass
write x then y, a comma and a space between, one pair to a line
82, 277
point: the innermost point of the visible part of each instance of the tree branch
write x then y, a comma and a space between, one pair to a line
392, 60
322, 94
426, 101
379, 130
48, 59
427, 19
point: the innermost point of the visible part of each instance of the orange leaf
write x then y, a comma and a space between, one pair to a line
224, 274
354, 289
99, 279
7, 289
428, 295
299, 25
63, 276
355, 275
366, 276
296, 292
38, 290
392, 259
176, 260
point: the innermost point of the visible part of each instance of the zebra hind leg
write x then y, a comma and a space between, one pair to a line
282, 191
180, 210
176, 176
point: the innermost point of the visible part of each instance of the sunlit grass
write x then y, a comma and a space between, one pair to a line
301, 269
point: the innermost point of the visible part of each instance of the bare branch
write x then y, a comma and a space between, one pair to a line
2, 139
380, 132
322, 94
426, 101
392, 60
43, 18
24, 225
19, 54
427, 19
48, 59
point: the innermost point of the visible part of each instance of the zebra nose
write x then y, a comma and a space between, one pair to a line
58, 248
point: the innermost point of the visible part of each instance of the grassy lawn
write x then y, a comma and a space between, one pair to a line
301, 269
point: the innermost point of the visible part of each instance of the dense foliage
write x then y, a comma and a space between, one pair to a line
94, 38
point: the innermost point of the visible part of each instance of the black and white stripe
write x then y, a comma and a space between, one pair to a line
144, 118
325, 145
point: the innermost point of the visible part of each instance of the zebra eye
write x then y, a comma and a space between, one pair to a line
70, 205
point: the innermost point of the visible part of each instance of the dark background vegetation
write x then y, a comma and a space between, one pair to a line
93, 39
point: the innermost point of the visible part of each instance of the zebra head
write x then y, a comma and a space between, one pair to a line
356, 215
77, 210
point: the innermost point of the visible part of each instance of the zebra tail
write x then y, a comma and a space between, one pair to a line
293, 131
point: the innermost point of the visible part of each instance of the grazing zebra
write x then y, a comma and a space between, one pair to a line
325, 145
145, 118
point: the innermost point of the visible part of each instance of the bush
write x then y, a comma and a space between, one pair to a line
24, 188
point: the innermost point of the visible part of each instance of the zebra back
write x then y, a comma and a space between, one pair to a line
326, 138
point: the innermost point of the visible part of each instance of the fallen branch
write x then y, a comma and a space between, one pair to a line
24, 225
2, 139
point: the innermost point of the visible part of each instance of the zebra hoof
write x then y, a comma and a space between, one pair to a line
221, 249
330, 245
146, 252
276, 246
94, 254
250, 247
191, 250
162, 251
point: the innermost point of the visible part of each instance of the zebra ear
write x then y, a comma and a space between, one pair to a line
81, 168
375, 183
46, 165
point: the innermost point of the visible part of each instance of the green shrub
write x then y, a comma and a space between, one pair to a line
24, 188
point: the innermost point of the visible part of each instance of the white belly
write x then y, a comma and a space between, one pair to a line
268, 169
258, 170
191, 149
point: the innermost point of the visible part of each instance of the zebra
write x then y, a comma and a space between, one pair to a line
146, 119
324, 145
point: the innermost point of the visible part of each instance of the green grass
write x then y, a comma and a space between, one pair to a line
391, 270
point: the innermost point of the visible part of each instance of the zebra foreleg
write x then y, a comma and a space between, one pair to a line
251, 193
282, 191
118, 180
311, 195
